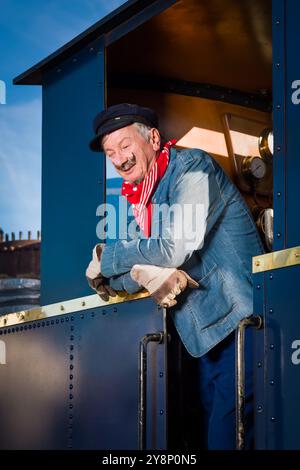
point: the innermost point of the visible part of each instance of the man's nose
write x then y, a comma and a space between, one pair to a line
119, 159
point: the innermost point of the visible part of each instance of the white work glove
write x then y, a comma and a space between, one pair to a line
94, 277
164, 284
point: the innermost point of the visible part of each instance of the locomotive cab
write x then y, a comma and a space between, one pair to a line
119, 377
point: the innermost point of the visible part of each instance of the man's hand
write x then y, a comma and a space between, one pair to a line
94, 277
164, 284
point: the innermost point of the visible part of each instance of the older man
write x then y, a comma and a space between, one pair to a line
214, 259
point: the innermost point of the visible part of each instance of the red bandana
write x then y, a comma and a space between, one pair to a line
140, 195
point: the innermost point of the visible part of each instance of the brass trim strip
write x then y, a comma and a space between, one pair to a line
276, 260
65, 307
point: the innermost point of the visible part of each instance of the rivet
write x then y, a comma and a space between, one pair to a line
258, 286
297, 254
278, 193
272, 382
83, 303
161, 412
62, 308
259, 364
271, 346
271, 310
278, 106
71, 347
71, 338
70, 406
82, 316
71, 357
71, 396
70, 386
161, 374
257, 263
271, 277
278, 64
91, 49
259, 408
278, 148
71, 376
273, 418
277, 22
71, 367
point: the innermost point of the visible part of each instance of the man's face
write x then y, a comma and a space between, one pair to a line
129, 152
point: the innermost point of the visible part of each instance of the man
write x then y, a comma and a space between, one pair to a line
212, 290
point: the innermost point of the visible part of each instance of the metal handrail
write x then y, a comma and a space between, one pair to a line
256, 322
142, 411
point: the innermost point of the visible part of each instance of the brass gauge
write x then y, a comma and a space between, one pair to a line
265, 143
254, 168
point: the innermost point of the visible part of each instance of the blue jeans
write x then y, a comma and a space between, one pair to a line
217, 393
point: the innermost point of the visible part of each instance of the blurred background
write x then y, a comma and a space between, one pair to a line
29, 32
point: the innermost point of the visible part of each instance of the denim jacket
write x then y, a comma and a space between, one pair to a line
217, 252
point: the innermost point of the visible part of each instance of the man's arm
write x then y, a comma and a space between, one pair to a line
197, 194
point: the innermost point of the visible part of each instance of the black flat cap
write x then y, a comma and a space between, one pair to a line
118, 116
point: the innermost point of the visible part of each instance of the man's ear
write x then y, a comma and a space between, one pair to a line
155, 139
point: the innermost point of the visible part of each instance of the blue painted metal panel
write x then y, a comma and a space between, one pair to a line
279, 116
34, 386
292, 122
71, 382
278, 388
106, 377
286, 112
72, 94
259, 364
